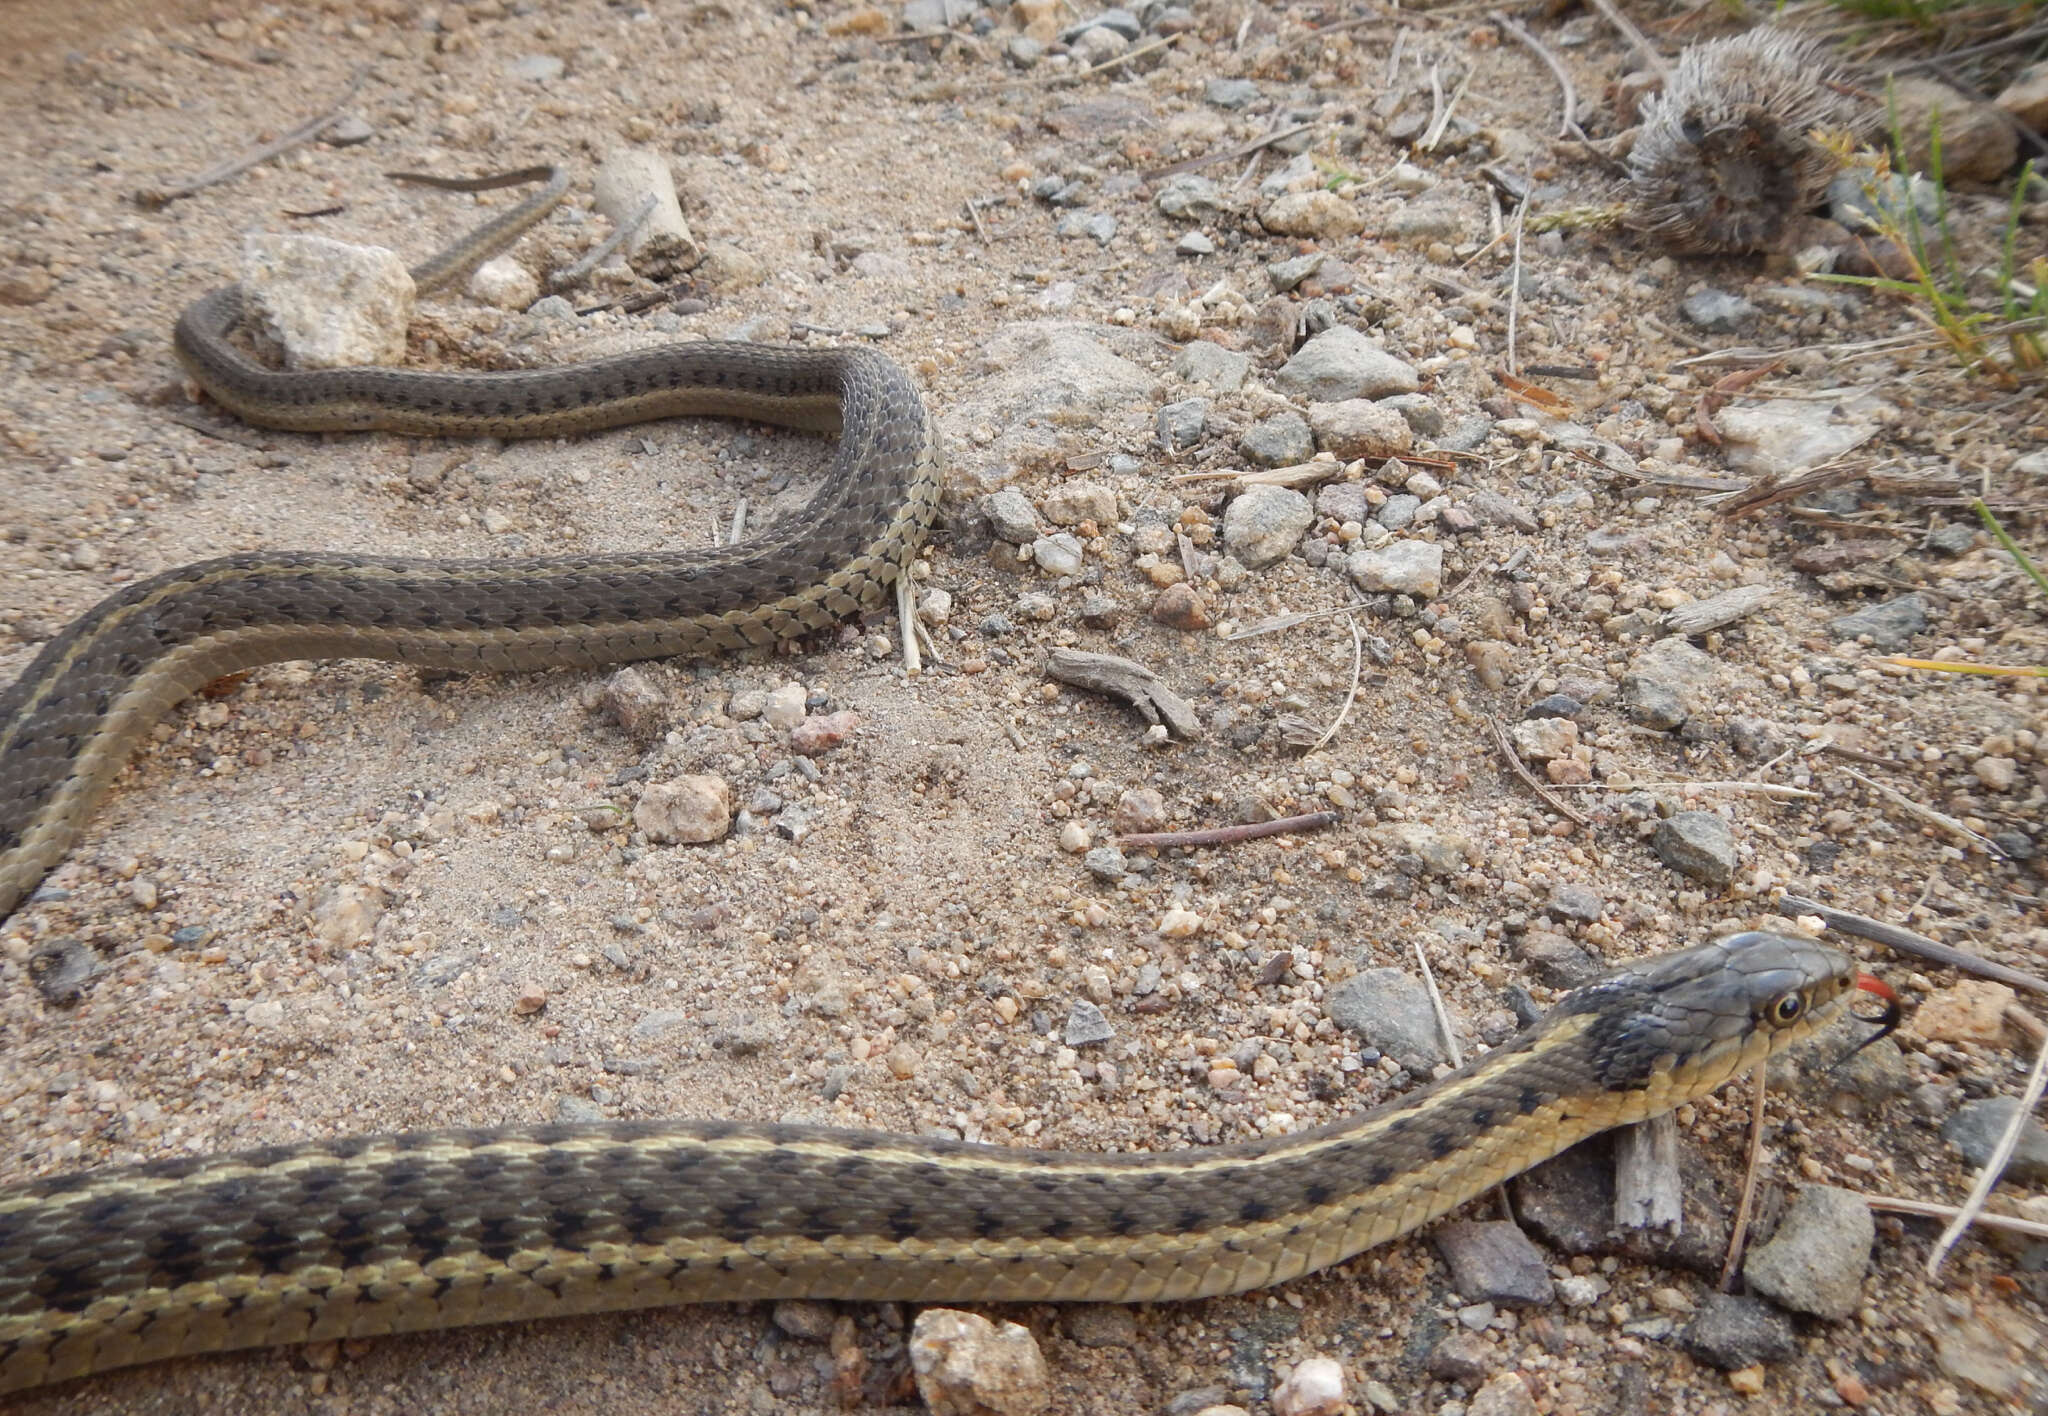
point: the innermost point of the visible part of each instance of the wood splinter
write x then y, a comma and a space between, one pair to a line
1231, 835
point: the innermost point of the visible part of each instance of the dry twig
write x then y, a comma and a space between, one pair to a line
1738, 1236
1193, 164
1907, 942
1357, 667
1973, 1206
1515, 282
1231, 835
1623, 25
571, 276
1927, 813
1928, 1209
1050, 80
1436, 1001
283, 143
1514, 760
1568, 127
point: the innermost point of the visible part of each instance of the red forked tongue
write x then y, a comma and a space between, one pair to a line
1886, 1021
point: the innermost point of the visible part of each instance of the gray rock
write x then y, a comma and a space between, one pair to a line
1438, 852
1279, 441
1181, 425
1462, 1357
1717, 312
1859, 201
1575, 902
1568, 1203
1100, 611
576, 1110
1494, 1262
1024, 51
1493, 509
1099, 1324
1262, 525
1097, 226
1230, 93
1191, 197
1425, 419
1360, 427
1974, 1130
1399, 568
1555, 705
1096, 45
1732, 1332
1342, 502
1117, 21
1341, 363
1314, 215
349, 130
1815, 1262
1955, 539
1556, 960
1195, 244
61, 969
1086, 1025
1397, 512
1058, 191
1424, 222
1287, 274
1669, 682
1653, 703
1011, 516
1212, 365
1890, 625
1756, 738
659, 1024
1106, 863
1389, 1010
1697, 844
805, 1318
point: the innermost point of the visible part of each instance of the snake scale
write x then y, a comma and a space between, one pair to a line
363, 1236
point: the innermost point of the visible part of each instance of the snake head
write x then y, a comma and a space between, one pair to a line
1712, 1010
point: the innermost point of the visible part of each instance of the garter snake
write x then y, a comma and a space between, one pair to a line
73, 718
359, 1237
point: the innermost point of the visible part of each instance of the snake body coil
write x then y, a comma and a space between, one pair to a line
359, 1237
73, 719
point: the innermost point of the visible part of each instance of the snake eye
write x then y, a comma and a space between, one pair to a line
1786, 1008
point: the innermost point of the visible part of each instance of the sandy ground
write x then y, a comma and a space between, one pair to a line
853, 978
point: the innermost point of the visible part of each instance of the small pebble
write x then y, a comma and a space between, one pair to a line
966, 1365
1314, 1388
